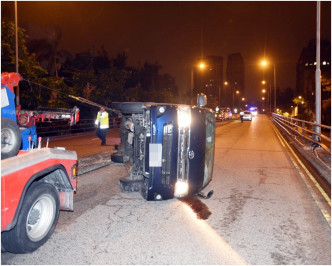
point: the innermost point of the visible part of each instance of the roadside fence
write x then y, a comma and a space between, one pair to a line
62, 128
305, 130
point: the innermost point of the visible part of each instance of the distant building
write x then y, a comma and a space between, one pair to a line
235, 80
306, 67
209, 80
305, 78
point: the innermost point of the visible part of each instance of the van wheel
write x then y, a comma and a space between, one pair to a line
36, 221
10, 138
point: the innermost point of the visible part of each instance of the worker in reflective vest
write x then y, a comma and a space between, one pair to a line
102, 125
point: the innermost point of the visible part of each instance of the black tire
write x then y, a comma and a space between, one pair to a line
117, 157
128, 107
36, 221
11, 138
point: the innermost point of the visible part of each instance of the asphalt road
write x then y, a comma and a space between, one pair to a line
261, 213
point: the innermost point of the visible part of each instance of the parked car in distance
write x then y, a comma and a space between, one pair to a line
254, 111
223, 114
247, 115
219, 115
228, 112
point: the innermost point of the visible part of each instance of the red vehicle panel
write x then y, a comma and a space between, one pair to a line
17, 173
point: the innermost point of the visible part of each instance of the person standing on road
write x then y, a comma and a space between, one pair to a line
102, 125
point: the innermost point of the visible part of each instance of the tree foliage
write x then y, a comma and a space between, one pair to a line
91, 74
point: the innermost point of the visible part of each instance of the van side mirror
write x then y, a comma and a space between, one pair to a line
201, 100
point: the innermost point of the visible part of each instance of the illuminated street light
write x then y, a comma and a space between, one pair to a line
263, 90
200, 66
263, 82
237, 92
264, 63
263, 98
219, 87
298, 100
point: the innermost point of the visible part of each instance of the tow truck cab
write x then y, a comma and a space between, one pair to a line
170, 148
36, 182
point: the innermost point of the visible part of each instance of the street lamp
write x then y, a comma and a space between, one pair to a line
16, 54
297, 101
225, 83
237, 92
264, 63
201, 66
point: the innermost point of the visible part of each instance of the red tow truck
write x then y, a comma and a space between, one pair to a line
36, 182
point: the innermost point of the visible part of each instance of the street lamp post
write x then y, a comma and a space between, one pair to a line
201, 66
275, 87
233, 101
225, 83
318, 107
16, 54
237, 92
219, 94
264, 64
191, 85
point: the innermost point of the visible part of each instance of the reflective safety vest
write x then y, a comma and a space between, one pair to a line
102, 120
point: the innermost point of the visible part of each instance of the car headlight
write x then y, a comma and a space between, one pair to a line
181, 188
241, 113
184, 116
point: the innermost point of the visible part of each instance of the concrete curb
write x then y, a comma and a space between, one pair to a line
92, 168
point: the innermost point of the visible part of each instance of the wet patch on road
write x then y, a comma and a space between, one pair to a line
199, 208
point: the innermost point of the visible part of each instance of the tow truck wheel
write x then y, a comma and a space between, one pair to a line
36, 221
10, 138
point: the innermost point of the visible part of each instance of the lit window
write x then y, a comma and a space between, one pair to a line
315, 63
324, 63
306, 64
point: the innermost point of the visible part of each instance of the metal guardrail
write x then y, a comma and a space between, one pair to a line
306, 130
62, 128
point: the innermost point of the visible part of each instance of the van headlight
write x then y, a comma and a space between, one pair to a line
184, 116
181, 188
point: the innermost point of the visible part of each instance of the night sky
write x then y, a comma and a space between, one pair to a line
175, 34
